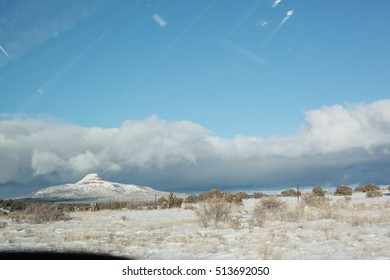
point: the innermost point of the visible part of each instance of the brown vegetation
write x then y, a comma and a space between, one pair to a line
40, 213
217, 194
374, 193
290, 193
367, 188
318, 191
171, 202
343, 190
258, 195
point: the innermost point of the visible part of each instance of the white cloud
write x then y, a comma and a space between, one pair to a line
277, 2
4, 51
159, 20
283, 22
335, 143
43, 162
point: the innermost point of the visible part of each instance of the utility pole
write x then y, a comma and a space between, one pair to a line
298, 193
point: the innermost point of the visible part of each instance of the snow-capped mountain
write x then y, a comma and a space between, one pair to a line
93, 189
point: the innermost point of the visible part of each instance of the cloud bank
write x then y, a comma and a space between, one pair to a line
336, 144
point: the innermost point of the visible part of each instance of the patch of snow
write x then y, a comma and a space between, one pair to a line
177, 234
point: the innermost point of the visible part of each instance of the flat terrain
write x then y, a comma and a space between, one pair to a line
339, 228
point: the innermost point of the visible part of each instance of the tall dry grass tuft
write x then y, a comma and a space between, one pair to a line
214, 210
268, 208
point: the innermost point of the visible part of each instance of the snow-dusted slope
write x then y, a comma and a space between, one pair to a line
93, 189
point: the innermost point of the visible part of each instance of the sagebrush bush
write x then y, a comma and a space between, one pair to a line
42, 213
313, 200
367, 188
242, 195
289, 193
343, 190
268, 206
272, 203
214, 211
258, 195
217, 194
13, 205
258, 216
193, 198
374, 193
318, 191
171, 202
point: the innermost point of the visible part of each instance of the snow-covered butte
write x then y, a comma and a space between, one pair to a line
94, 189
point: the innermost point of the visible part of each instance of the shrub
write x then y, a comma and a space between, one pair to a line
242, 195
318, 191
258, 216
313, 200
211, 194
343, 190
214, 210
290, 193
269, 206
13, 205
163, 203
217, 194
258, 195
43, 212
193, 198
172, 202
367, 188
272, 203
374, 193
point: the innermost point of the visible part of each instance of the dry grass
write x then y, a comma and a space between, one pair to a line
40, 213
273, 228
214, 211
268, 207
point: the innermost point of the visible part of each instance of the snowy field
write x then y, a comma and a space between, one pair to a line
356, 228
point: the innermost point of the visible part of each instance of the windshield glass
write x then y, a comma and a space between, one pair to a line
108, 100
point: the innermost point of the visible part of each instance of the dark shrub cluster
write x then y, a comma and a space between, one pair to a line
374, 193
343, 190
218, 195
41, 213
318, 191
13, 205
193, 198
367, 188
171, 202
258, 195
114, 205
290, 193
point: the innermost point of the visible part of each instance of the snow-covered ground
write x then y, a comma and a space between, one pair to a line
355, 229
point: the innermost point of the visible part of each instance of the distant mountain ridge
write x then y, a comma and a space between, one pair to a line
94, 189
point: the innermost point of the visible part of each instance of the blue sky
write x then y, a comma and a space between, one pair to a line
249, 69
